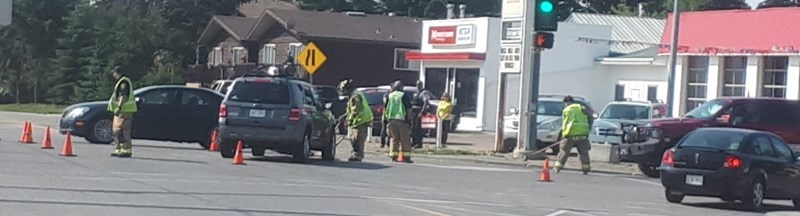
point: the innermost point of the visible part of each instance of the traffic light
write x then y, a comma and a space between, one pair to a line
546, 16
543, 40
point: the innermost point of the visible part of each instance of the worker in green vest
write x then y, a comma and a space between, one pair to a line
359, 118
575, 129
397, 113
122, 106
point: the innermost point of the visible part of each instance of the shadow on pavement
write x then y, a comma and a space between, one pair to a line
143, 206
736, 206
318, 162
168, 160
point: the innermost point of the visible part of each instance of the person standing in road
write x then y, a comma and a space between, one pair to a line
397, 113
359, 118
123, 107
419, 109
575, 129
444, 112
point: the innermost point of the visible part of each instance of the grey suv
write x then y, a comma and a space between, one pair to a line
276, 113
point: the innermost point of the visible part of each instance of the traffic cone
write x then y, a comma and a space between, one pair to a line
67, 150
545, 177
401, 157
27, 138
238, 159
24, 131
214, 145
47, 143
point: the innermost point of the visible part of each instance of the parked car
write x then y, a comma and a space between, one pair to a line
166, 113
623, 112
375, 96
645, 143
330, 94
221, 86
731, 164
548, 122
278, 113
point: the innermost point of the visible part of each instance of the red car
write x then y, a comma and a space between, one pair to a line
646, 143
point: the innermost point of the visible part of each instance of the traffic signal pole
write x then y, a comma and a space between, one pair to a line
526, 137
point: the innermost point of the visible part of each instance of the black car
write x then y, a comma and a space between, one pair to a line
330, 94
278, 113
731, 164
166, 113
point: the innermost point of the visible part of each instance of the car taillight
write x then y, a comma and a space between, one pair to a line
223, 111
380, 109
733, 162
295, 114
668, 159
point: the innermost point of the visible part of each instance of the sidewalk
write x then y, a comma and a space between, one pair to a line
479, 147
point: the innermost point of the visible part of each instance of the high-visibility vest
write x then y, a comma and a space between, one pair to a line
574, 121
395, 109
363, 117
130, 105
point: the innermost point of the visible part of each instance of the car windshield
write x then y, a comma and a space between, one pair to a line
374, 96
550, 108
719, 140
707, 110
626, 111
327, 92
260, 92
225, 85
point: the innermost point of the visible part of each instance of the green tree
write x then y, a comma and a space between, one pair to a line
412, 8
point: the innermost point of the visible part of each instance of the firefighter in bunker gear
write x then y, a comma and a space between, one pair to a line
575, 129
397, 113
358, 116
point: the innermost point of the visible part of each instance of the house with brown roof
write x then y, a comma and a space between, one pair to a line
368, 48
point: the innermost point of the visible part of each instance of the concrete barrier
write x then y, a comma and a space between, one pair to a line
605, 153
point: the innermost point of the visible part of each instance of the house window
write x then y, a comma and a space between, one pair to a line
216, 56
239, 55
735, 73
268, 57
775, 76
696, 81
295, 49
400, 62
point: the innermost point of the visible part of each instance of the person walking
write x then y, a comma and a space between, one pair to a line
359, 118
397, 113
575, 129
444, 112
123, 106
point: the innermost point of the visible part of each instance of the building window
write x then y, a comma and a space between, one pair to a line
216, 56
268, 54
735, 73
239, 55
295, 49
400, 62
696, 81
652, 93
619, 92
775, 76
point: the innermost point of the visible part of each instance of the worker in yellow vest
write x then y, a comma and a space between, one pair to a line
123, 106
398, 114
575, 129
358, 116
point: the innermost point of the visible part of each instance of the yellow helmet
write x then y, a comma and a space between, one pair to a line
345, 85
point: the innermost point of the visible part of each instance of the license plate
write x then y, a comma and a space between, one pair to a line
258, 113
695, 180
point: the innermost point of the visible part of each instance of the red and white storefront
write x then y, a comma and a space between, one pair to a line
461, 56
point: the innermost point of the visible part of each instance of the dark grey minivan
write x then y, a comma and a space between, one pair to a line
276, 113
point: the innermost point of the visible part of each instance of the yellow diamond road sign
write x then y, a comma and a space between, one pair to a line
312, 58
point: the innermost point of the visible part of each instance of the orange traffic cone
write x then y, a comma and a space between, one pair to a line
238, 159
27, 136
401, 157
545, 177
24, 131
47, 143
67, 151
214, 145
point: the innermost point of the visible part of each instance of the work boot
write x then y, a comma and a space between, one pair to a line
586, 168
407, 160
125, 153
354, 159
394, 158
116, 152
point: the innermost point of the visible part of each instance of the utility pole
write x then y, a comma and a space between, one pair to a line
526, 140
673, 59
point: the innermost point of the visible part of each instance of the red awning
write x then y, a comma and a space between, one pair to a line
772, 30
418, 56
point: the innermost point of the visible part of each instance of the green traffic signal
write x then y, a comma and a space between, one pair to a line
546, 6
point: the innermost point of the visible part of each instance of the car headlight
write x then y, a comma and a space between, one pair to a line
656, 133
78, 112
551, 125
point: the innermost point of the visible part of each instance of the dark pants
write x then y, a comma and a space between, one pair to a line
445, 131
416, 131
384, 134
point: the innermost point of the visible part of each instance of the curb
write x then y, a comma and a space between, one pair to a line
515, 163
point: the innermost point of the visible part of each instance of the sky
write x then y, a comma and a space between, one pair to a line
753, 3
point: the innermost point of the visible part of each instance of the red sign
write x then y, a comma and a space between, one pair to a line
442, 35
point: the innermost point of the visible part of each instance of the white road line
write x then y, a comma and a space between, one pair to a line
644, 181
472, 211
491, 169
418, 209
560, 212
639, 214
431, 201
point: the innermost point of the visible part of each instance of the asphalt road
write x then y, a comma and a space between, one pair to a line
166, 178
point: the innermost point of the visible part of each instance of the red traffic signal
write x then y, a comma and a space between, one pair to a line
543, 40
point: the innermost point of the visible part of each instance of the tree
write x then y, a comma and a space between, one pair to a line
777, 3
411, 8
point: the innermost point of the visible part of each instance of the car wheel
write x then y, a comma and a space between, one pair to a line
258, 151
101, 131
754, 199
205, 142
673, 197
300, 152
509, 145
649, 170
796, 202
227, 148
329, 152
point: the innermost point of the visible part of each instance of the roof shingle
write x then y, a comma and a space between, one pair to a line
240, 26
625, 28
368, 27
